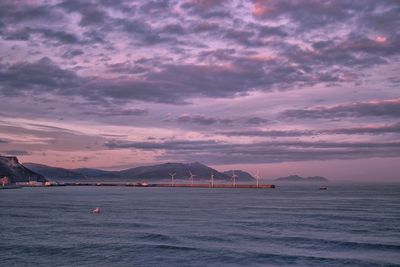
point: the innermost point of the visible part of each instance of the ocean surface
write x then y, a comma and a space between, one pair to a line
292, 225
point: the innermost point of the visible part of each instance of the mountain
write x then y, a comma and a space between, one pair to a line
296, 178
16, 172
241, 175
90, 173
54, 173
144, 173
182, 170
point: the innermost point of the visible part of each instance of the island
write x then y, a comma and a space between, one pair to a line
297, 178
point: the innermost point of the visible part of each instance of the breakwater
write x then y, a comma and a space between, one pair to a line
261, 186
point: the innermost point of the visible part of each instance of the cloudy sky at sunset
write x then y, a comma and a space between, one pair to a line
306, 87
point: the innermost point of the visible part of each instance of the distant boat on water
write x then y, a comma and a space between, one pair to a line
323, 188
96, 210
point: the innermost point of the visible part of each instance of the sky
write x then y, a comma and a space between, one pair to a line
284, 87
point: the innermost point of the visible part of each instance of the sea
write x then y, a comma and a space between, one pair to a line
291, 225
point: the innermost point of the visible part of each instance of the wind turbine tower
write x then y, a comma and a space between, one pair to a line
172, 178
257, 175
191, 177
234, 176
212, 179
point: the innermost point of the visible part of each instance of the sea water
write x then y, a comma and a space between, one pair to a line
291, 225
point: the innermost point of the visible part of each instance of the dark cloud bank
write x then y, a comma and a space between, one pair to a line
215, 152
331, 60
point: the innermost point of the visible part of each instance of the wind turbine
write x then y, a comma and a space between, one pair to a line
234, 176
191, 177
212, 179
172, 178
257, 175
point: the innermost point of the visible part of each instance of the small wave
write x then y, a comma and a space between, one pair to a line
337, 244
209, 238
299, 260
172, 247
155, 237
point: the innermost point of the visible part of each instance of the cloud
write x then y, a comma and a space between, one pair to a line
255, 120
91, 14
155, 7
15, 152
197, 119
243, 37
268, 31
172, 144
380, 108
207, 8
61, 36
374, 130
174, 84
216, 152
72, 53
128, 67
42, 76
204, 120
34, 138
358, 45
272, 133
118, 112
316, 14
141, 32
201, 27
196, 58
13, 12
106, 61
173, 29
393, 128
54, 36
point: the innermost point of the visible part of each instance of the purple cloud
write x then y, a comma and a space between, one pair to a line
214, 80
388, 108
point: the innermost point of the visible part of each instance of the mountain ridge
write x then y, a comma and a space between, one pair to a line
297, 178
17, 172
151, 172
156, 172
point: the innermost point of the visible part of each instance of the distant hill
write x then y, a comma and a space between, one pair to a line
242, 175
90, 173
143, 173
296, 178
162, 171
54, 172
10, 167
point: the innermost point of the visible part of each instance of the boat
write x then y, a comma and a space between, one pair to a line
50, 183
323, 188
96, 210
144, 184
